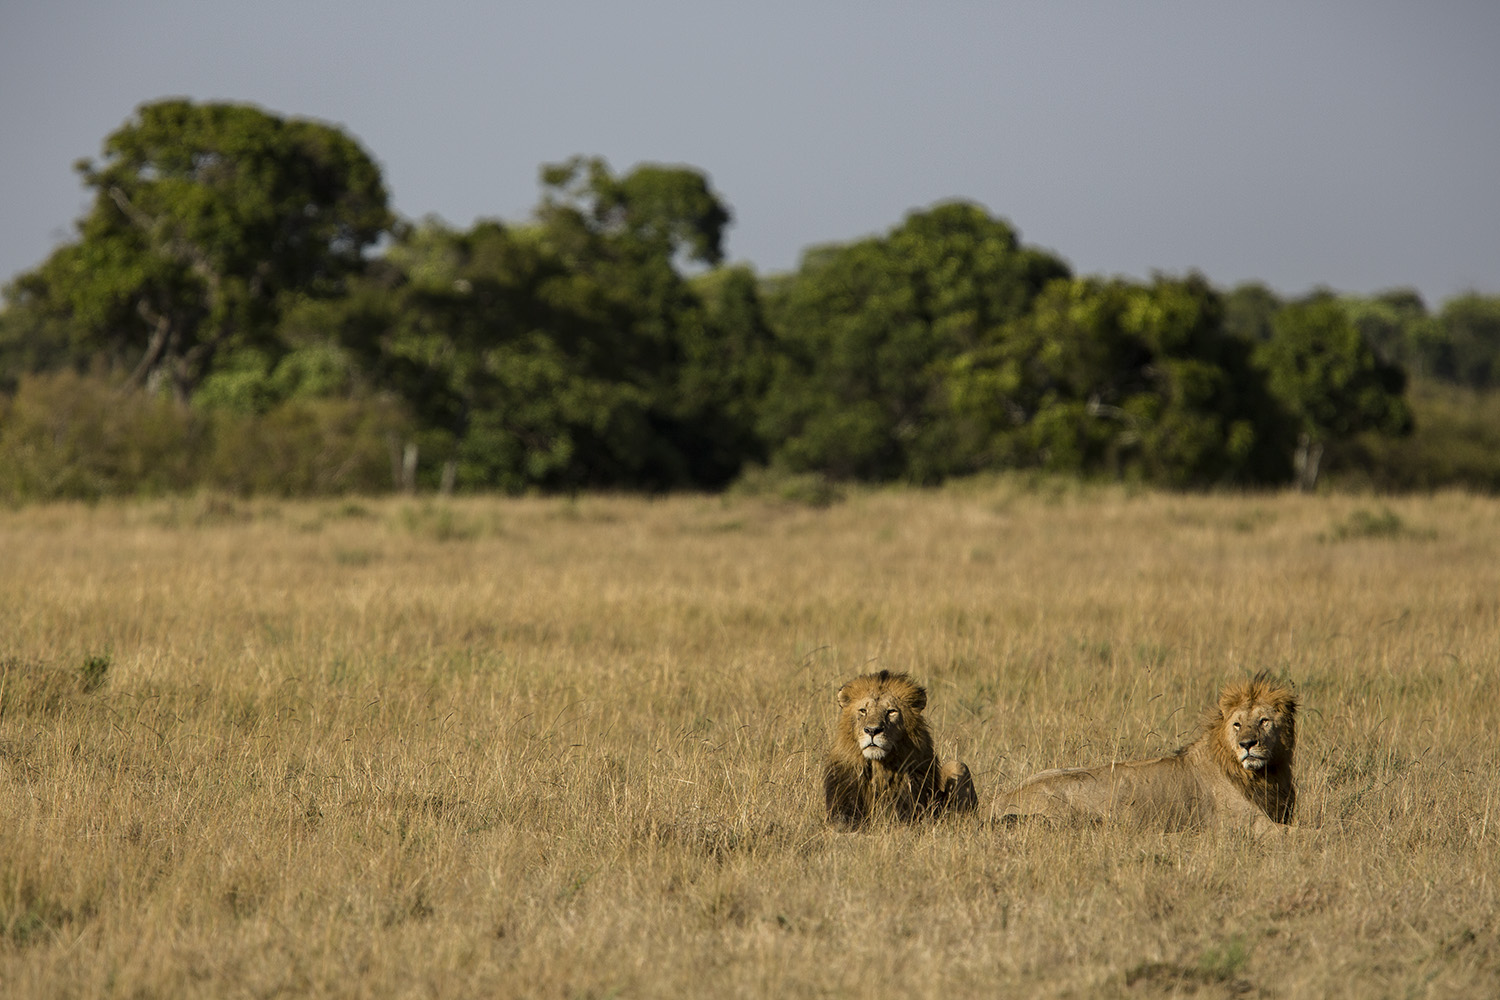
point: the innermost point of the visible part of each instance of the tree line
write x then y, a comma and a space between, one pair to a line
241, 308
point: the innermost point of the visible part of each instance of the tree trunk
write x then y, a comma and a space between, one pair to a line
409, 468
1306, 461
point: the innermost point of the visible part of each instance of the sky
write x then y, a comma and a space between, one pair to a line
1348, 145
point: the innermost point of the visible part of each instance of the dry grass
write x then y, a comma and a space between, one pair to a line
566, 748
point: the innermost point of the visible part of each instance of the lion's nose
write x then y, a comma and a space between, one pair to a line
874, 730
1249, 742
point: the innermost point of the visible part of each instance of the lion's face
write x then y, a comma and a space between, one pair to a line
879, 711
879, 726
1256, 734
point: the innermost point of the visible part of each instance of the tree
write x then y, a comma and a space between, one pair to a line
1330, 381
1469, 328
35, 336
1248, 310
726, 372
1396, 325
208, 220
510, 376
570, 352
867, 332
666, 211
1137, 380
627, 241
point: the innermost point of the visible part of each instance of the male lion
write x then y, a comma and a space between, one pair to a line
1236, 771
882, 762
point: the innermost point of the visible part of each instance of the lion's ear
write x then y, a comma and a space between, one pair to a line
843, 696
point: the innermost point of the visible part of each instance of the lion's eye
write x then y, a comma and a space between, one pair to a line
861, 711
1265, 722
1236, 725
893, 715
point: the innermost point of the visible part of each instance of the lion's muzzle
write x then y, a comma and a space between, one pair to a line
1252, 755
873, 742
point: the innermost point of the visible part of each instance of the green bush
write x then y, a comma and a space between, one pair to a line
305, 447
1455, 443
81, 437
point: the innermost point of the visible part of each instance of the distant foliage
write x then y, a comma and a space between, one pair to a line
1325, 374
1139, 381
208, 220
306, 447
1465, 348
1455, 441
573, 352
869, 332
66, 436
223, 320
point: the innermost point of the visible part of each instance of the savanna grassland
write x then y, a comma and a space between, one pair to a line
571, 747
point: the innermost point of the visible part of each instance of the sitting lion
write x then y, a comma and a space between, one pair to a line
1237, 770
882, 762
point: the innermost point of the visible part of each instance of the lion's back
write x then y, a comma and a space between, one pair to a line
1157, 790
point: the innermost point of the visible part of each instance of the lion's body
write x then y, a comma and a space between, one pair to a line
1236, 771
882, 762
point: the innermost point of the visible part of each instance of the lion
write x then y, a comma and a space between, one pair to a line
1236, 771
882, 763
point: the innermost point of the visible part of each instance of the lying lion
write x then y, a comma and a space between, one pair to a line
1237, 771
882, 762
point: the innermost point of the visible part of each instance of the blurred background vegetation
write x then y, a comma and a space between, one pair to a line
240, 310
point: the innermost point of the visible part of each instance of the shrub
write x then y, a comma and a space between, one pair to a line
70, 436
1456, 443
306, 447
82, 437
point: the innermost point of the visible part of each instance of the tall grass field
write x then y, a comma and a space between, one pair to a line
572, 748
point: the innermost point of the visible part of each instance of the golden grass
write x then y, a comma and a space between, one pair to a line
571, 748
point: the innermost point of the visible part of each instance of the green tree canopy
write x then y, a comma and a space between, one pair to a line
1468, 344
867, 330
666, 211
1329, 379
571, 351
505, 361
1396, 325
227, 257
1137, 380
207, 221
1248, 309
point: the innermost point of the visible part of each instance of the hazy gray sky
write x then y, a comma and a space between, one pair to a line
1348, 144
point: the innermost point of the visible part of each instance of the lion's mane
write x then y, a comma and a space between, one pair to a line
901, 777
1237, 769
